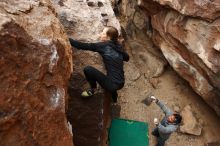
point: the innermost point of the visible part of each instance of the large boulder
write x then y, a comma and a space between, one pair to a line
190, 123
84, 21
192, 48
36, 62
187, 33
204, 9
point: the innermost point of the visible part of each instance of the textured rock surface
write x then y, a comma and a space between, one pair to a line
84, 20
149, 6
204, 9
36, 62
191, 46
189, 40
168, 86
144, 55
190, 124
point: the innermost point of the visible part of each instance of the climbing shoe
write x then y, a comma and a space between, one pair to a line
87, 93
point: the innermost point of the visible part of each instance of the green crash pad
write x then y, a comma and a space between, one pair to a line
128, 133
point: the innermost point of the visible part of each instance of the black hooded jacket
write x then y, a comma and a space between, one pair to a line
112, 55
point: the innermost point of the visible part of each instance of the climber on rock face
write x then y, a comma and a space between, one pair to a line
113, 56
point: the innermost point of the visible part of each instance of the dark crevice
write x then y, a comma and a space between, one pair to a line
87, 116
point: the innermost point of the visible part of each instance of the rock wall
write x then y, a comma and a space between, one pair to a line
146, 58
84, 20
36, 62
187, 33
191, 46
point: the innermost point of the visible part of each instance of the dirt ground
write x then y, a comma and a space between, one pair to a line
176, 94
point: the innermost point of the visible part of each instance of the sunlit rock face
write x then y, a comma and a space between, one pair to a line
187, 32
36, 62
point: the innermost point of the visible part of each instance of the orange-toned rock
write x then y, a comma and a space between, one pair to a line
36, 62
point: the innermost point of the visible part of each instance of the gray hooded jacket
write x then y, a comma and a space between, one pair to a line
164, 127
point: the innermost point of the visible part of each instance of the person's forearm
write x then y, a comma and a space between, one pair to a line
78, 44
165, 109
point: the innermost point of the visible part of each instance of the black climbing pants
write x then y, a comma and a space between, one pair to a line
93, 75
